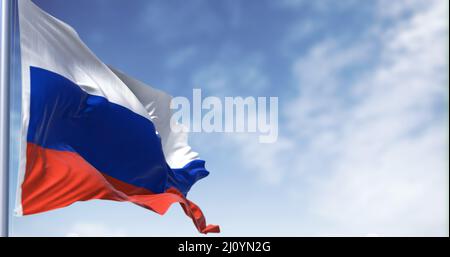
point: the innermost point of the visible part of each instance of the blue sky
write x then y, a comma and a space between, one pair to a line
363, 94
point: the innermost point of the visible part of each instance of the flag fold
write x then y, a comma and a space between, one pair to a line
91, 132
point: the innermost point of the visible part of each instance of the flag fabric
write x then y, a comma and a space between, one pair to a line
92, 132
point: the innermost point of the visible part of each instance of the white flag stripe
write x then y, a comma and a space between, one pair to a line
50, 44
157, 103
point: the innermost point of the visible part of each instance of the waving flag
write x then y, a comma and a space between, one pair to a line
92, 132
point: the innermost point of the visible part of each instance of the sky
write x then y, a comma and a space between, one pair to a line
363, 114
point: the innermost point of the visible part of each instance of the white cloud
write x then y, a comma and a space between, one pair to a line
395, 9
269, 161
232, 72
93, 230
374, 150
323, 5
181, 57
169, 22
370, 147
298, 32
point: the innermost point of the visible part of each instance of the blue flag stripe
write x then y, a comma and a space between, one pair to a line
113, 139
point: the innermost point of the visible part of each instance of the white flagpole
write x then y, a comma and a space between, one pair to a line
4, 114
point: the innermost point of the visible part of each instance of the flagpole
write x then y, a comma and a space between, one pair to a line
4, 114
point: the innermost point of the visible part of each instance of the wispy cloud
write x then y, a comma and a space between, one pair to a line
231, 71
93, 230
367, 130
181, 57
171, 21
381, 137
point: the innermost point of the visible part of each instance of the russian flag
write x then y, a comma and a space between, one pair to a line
92, 132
